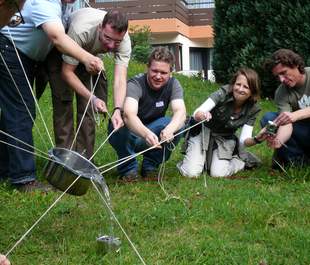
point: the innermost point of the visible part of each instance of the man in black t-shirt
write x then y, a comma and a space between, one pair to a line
147, 99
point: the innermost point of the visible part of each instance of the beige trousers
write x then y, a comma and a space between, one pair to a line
195, 159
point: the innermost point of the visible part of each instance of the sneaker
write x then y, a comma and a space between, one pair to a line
131, 176
34, 186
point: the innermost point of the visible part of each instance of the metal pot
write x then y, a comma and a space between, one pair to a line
65, 166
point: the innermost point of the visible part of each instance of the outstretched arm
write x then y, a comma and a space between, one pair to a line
56, 33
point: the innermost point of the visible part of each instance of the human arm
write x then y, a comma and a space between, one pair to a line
134, 124
119, 93
283, 135
246, 138
177, 120
75, 83
203, 111
56, 33
287, 117
4, 260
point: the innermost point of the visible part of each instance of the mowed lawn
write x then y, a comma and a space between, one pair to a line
260, 217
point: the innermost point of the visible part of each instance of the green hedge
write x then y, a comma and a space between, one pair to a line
246, 32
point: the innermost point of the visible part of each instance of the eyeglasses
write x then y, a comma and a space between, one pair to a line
16, 19
109, 39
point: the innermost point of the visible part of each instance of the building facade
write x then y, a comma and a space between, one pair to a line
184, 26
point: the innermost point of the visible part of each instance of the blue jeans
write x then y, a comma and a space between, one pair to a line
16, 164
297, 150
127, 143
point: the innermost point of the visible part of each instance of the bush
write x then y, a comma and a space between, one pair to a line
141, 43
247, 32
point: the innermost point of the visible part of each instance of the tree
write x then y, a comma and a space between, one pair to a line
247, 32
141, 42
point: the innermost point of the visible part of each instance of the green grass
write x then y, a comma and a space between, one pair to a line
263, 216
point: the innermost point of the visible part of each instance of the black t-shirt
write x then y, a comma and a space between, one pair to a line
152, 104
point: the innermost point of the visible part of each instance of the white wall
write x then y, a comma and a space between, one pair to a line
185, 42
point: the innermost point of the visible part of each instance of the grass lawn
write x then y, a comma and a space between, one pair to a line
261, 217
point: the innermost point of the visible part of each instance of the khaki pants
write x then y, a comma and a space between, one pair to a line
195, 158
63, 112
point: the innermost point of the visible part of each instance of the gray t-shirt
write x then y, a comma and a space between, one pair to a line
293, 98
152, 104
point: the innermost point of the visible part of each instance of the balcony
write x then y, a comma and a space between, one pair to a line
184, 11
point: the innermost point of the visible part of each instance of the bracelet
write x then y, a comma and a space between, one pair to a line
118, 108
256, 140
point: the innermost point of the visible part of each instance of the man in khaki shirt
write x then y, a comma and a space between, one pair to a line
97, 32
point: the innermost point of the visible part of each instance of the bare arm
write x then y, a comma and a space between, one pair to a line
119, 93
177, 121
291, 117
283, 135
75, 83
135, 124
56, 33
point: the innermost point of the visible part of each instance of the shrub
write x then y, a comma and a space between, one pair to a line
141, 42
246, 32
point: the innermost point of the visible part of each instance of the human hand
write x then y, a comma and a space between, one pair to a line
93, 64
284, 118
117, 119
152, 139
4, 260
99, 105
166, 135
273, 142
262, 135
200, 116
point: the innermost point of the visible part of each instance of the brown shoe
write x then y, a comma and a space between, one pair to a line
34, 186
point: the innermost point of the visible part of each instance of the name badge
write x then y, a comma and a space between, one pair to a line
159, 104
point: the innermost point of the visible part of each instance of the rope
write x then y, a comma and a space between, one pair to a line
41, 217
34, 98
118, 223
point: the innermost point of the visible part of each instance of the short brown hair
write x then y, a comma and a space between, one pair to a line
253, 81
117, 20
285, 57
161, 54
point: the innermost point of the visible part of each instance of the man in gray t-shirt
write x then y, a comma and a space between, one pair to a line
293, 101
147, 99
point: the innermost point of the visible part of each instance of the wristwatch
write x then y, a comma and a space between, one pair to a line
256, 140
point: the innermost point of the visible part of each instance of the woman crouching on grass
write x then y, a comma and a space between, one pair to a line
214, 145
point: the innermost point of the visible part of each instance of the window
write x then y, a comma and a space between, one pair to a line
191, 4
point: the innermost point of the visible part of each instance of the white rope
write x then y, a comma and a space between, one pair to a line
41, 217
34, 98
20, 148
102, 144
31, 117
18, 140
150, 148
88, 102
58, 199
119, 224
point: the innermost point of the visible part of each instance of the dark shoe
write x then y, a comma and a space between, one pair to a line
34, 186
151, 175
131, 176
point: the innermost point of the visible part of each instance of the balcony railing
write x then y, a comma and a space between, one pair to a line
150, 9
